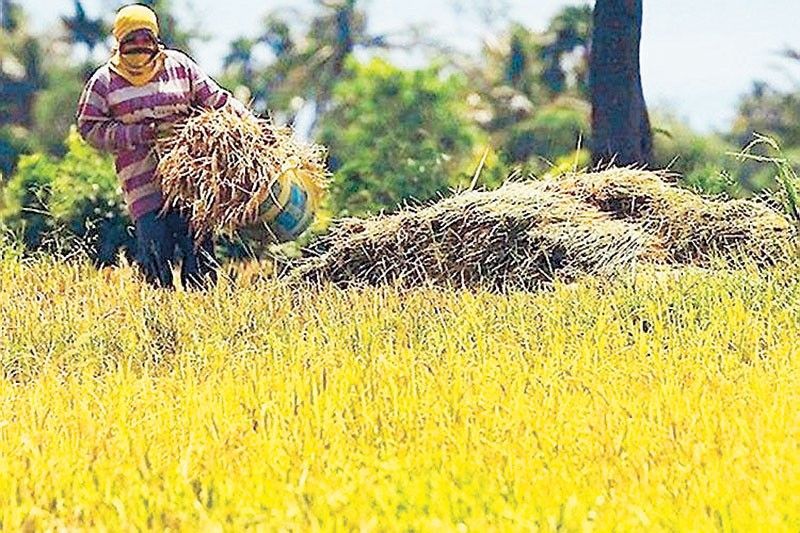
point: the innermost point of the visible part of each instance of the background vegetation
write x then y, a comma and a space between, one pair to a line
395, 135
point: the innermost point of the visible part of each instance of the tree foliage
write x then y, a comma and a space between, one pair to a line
305, 60
21, 73
172, 32
67, 204
530, 91
21, 80
84, 30
395, 135
769, 111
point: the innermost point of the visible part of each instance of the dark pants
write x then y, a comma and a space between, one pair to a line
159, 237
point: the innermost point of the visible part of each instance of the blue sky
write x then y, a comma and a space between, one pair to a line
698, 56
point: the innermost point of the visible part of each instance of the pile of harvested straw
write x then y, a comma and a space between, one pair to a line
526, 234
691, 228
220, 166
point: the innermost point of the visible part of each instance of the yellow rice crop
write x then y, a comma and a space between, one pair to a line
662, 402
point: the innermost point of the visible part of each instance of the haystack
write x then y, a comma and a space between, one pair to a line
526, 234
221, 168
691, 228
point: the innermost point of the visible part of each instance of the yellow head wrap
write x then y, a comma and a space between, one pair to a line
138, 69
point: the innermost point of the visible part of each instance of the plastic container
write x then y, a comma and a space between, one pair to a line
290, 208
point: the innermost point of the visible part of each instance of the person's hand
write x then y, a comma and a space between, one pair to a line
238, 107
150, 133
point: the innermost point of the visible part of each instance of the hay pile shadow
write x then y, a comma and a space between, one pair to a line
527, 234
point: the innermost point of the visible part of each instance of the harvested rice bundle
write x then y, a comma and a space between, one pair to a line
527, 234
519, 236
692, 228
232, 171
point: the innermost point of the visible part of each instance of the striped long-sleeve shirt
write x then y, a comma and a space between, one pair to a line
115, 116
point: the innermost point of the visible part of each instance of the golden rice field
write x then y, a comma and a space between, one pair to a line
658, 402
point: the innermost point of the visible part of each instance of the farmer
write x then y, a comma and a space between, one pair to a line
126, 105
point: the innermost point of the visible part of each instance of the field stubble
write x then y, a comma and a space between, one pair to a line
657, 401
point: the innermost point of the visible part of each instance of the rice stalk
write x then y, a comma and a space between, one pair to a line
220, 167
526, 234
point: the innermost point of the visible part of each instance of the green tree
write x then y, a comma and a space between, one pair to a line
395, 135
54, 106
530, 90
172, 33
306, 60
774, 113
552, 132
21, 73
770, 112
67, 204
240, 56
702, 161
568, 34
21, 77
9, 15
84, 30
14, 140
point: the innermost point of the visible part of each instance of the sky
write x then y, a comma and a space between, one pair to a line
698, 56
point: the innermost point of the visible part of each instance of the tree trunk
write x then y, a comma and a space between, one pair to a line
620, 123
6, 23
342, 49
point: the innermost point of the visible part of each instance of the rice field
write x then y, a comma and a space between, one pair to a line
661, 401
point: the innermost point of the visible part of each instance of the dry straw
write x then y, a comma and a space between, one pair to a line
526, 234
220, 166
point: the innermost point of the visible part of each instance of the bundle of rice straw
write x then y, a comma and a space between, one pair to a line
691, 228
527, 234
221, 168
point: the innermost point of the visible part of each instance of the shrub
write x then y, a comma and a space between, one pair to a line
555, 131
14, 141
704, 161
68, 204
395, 135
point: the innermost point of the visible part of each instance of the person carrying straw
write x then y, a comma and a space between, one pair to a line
126, 105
